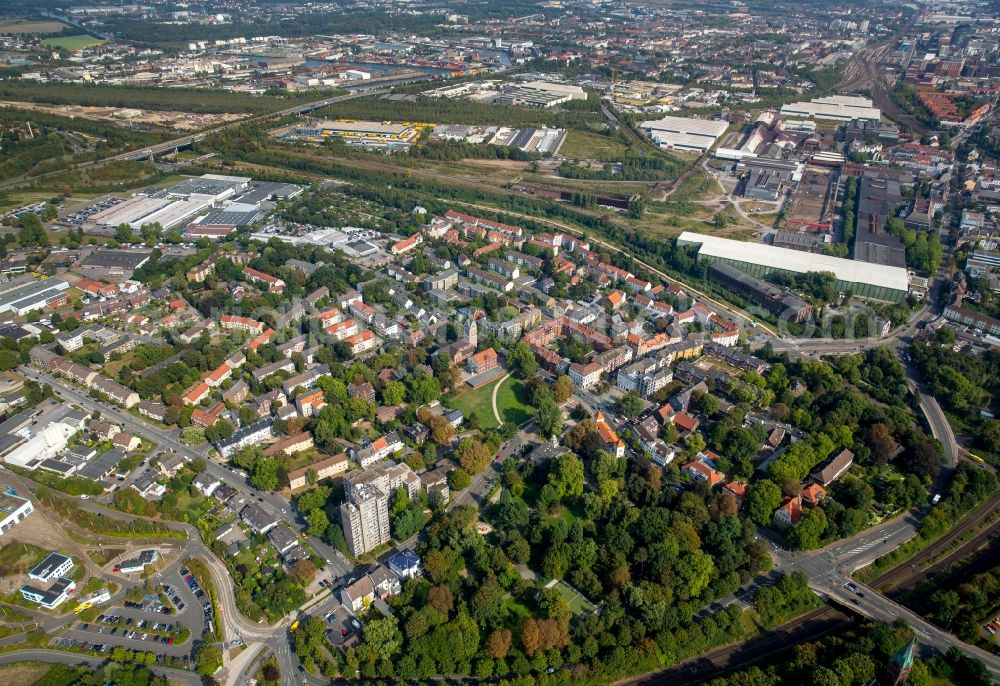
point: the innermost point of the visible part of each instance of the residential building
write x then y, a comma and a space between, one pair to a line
324, 469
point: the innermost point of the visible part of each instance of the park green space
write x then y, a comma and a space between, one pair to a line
73, 43
512, 402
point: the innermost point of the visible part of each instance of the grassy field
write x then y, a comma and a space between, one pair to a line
512, 403
72, 43
582, 145
31, 27
17, 558
578, 605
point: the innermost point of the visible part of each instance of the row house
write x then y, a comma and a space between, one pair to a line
524, 260
384, 326
329, 317
443, 281
377, 450
507, 269
341, 330
611, 360
232, 322
215, 377
486, 249
645, 377
309, 404
209, 417
115, 391
362, 311
153, 410
514, 328
260, 340
549, 360
196, 393
291, 315
349, 298
237, 393
362, 342
194, 333
313, 298
401, 274
305, 380
406, 244
491, 279
76, 372
291, 445
273, 283
324, 469
285, 365
585, 375
292, 346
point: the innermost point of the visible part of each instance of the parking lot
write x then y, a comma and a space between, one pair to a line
152, 624
80, 216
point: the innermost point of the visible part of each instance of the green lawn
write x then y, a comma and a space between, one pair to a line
72, 43
582, 145
512, 403
578, 605
17, 558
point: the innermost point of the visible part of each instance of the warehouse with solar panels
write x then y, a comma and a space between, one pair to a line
863, 279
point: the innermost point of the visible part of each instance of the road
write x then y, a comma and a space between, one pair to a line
829, 570
152, 151
234, 625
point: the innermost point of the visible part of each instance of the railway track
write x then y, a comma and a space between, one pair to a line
915, 566
807, 627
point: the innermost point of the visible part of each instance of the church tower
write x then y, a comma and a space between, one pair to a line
902, 662
472, 332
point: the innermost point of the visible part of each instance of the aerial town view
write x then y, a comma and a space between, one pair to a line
520, 342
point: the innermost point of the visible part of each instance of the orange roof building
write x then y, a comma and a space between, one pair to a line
609, 437
699, 470
813, 494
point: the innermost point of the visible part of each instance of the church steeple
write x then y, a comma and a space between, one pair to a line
902, 663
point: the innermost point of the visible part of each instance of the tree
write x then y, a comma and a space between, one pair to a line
631, 404
8, 360
441, 430
393, 393
382, 637
265, 474
489, 602
473, 455
458, 479
807, 533
303, 571
521, 361
32, 233
207, 659
567, 476
318, 522
763, 500
549, 417
562, 389
498, 644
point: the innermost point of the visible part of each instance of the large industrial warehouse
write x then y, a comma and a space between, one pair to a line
837, 107
682, 133
863, 279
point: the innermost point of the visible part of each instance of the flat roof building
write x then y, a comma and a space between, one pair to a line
879, 282
837, 107
682, 133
